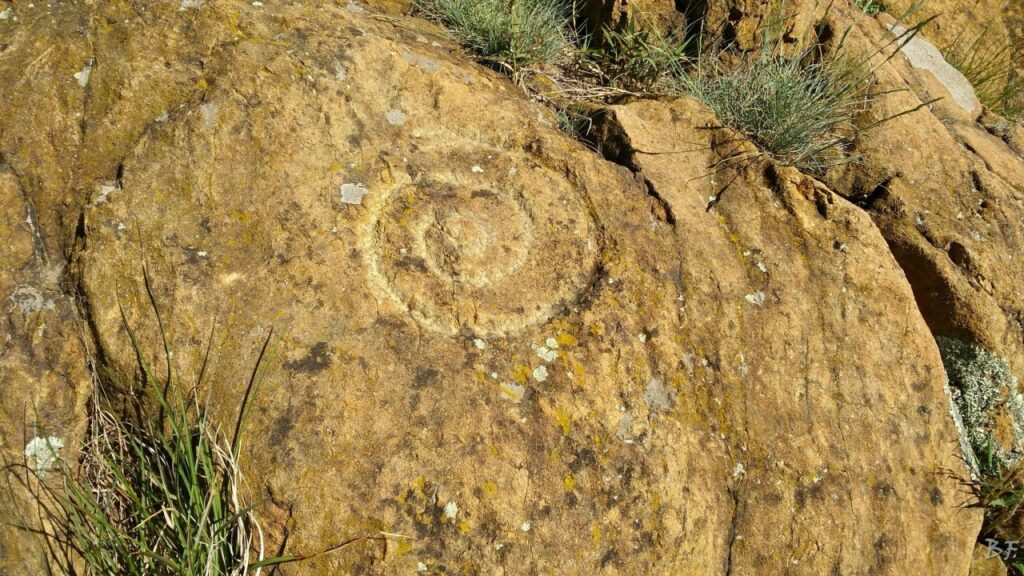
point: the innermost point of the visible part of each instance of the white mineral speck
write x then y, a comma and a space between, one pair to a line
209, 113
353, 193
540, 373
395, 117
477, 170
43, 452
739, 470
105, 191
757, 298
451, 510
82, 76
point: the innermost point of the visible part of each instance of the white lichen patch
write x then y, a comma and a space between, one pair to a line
6, 14
625, 429
163, 117
540, 373
355, 8
423, 62
42, 453
757, 298
451, 510
546, 354
525, 527
421, 567
396, 117
551, 343
658, 396
738, 470
477, 170
186, 4
340, 72
30, 299
105, 191
353, 193
479, 343
82, 76
209, 113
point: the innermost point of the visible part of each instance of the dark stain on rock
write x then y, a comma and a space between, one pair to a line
281, 427
317, 360
609, 557
412, 262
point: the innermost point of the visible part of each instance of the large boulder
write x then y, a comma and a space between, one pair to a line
500, 352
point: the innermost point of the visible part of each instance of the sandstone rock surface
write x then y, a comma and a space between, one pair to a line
498, 351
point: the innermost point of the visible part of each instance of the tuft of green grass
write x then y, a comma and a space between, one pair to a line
797, 106
989, 68
511, 34
870, 7
159, 489
638, 58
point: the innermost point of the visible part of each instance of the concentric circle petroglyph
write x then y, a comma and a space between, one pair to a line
494, 251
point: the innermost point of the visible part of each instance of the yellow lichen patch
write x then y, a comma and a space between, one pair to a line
564, 420
402, 545
464, 527
595, 532
521, 373
489, 488
568, 482
565, 339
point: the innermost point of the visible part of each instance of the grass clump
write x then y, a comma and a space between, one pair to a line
798, 111
511, 34
989, 68
870, 7
158, 490
639, 57
798, 106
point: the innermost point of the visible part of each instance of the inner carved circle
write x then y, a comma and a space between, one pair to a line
479, 242
496, 257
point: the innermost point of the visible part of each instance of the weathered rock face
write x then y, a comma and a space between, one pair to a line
803, 263
498, 352
43, 377
664, 15
948, 195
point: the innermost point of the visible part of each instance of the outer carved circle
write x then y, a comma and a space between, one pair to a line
495, 252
